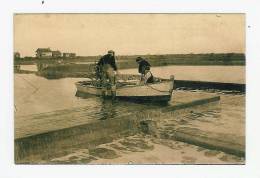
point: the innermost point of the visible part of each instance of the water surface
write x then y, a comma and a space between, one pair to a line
229, 74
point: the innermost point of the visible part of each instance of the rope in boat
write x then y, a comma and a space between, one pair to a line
149, 87
92, 81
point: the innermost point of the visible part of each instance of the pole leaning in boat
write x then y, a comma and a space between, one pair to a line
171, 84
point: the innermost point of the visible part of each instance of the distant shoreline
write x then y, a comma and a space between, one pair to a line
155, 60
68, 67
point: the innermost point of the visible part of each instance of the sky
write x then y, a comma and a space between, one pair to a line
130, 34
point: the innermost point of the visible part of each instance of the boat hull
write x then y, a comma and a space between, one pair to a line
158, 92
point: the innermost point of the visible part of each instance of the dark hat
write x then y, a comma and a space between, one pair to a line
139, 59
111, 51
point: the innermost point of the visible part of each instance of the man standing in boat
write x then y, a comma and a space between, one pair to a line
108, 68
144, 70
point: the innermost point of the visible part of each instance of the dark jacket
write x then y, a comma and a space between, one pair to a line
108, 59
143, 65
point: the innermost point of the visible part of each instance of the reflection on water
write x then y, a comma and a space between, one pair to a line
107, 109
29, 67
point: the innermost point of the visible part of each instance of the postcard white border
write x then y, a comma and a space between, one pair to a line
10, 170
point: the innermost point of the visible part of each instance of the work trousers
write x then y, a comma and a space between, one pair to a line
108, 78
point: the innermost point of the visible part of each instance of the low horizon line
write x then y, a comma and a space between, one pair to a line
151, 54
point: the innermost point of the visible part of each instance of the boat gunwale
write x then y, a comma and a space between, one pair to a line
129, 86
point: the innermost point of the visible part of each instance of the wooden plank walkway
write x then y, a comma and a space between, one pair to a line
32, 125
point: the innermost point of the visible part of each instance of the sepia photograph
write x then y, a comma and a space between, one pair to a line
129, 88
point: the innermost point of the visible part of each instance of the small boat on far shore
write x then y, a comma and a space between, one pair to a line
128, 88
